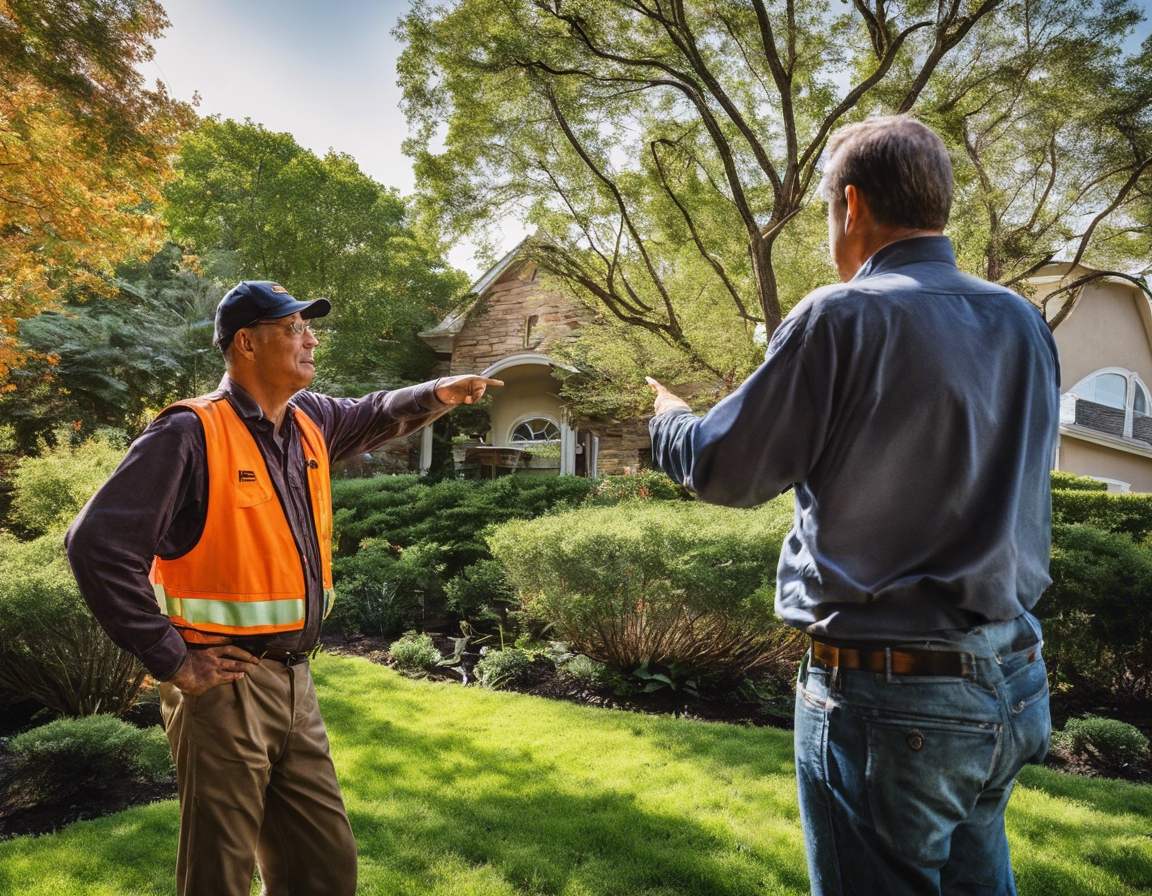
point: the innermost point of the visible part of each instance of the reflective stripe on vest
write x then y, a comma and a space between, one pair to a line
245, 576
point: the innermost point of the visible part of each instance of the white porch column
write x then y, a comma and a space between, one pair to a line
567, 447
425, 450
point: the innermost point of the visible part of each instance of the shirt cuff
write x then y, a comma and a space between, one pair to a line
164, 659
425, 396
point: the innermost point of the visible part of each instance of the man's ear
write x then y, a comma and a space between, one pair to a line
852, 201
244, 344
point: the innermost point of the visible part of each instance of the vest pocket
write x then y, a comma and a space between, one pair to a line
252, 493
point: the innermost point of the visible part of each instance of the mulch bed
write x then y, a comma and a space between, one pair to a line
18, 816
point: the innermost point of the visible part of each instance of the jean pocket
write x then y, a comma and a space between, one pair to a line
924, 777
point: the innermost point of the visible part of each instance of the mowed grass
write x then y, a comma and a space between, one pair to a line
462, 792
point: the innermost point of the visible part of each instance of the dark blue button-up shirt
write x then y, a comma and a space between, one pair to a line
914, 410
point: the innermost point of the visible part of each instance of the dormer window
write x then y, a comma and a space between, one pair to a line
1111, 400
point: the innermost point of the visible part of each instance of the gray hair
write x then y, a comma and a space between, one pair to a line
900, 166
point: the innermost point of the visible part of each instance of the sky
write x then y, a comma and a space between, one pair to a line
323, 72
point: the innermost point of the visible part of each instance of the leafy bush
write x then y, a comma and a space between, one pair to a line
670, 583
586, 670
401, 541
646, 485
385, 588
1097, 613
415, 653
51, 648
1130, 515
51, 489
93, 750
1109, 741
474, 593
1072, 482
498, 669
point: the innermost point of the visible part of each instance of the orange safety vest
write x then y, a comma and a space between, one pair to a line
245, 576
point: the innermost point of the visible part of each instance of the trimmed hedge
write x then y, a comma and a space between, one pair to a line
1097, 613
1127, 514
94, 750
1072, 482
664, 583
407, 549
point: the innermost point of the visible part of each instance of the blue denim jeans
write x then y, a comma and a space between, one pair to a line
904, 780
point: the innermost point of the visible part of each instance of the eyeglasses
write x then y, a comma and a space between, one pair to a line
296, 326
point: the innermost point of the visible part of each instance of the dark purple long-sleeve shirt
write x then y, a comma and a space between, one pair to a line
156, 503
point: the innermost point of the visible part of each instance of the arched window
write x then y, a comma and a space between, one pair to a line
535, 431
1116, 388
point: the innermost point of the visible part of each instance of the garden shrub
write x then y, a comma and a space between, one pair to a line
1072, 482
92, 750
586, 670
401, 541
646, 485
415, 653
52, 488
384, 588
1109, 741
1097, 614
51, 648
476, 592
498, 669
666, 583
1130, 515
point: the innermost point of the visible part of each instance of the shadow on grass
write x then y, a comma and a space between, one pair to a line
545, 827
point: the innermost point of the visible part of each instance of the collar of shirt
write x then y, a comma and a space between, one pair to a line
916, 250
247, 406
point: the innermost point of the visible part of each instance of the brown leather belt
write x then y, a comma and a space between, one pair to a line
894, 662
287, 657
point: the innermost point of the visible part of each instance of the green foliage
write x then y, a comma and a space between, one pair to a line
399, 535
51, 648
645, 485
119, 360
586, 670
499, 669
322, 228
51, 489
475, 593
1073, 483
1097, 613
414, 653
661, 583
384, 589
1109, 741
1129, 514
94, 750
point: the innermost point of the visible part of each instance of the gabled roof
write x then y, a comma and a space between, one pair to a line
454, 322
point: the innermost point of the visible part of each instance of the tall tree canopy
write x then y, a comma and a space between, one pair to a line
670, 148
322, 228
84, 149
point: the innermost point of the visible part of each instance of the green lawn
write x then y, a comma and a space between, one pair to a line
462, 792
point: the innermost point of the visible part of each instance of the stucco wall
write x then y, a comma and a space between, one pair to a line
1106, 329
1088, 459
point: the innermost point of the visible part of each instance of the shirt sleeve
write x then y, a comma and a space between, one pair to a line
113, 540
355, 425
761, 439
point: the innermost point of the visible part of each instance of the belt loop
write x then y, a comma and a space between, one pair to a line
888, 665
836, 669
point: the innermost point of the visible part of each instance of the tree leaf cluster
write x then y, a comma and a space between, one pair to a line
323, 229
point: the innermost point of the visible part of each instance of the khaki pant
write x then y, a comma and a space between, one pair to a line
256, 783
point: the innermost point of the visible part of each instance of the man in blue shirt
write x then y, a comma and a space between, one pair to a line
914, 411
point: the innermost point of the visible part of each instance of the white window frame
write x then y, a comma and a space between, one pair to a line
1133, 379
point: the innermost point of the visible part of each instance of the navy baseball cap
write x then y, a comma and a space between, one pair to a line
252, 300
